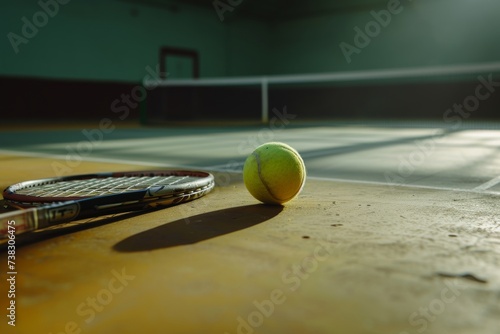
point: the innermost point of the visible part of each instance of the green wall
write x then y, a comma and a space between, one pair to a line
102, 40
107, 40
424, 32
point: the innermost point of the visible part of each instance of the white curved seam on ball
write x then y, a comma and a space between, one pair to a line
257, 159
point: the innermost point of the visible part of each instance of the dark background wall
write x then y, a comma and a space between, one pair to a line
82, 55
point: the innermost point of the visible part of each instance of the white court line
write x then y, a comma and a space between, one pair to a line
487, 185
478, 189
398, 185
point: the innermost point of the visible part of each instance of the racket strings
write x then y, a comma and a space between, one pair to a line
101, 186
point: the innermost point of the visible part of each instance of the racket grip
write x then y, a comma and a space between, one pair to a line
18, 222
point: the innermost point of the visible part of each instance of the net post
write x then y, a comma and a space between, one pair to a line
265, 101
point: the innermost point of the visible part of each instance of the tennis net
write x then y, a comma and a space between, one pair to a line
405, 93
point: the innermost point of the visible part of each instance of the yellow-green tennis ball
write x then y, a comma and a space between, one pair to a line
274, 173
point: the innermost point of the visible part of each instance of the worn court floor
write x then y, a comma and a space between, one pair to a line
354, 253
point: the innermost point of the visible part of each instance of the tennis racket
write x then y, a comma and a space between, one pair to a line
53, 201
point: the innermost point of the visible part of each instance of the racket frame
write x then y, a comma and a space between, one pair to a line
65, 209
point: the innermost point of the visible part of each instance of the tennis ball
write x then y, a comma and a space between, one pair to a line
274, 173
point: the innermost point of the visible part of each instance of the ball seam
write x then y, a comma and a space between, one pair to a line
257, 159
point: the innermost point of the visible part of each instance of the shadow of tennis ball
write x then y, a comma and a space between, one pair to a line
198, 228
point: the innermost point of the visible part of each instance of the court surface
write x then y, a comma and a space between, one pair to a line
396, 231
426, 154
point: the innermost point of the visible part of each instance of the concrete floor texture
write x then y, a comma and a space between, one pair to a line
397, 230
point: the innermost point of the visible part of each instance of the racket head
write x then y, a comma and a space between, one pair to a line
167, 186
